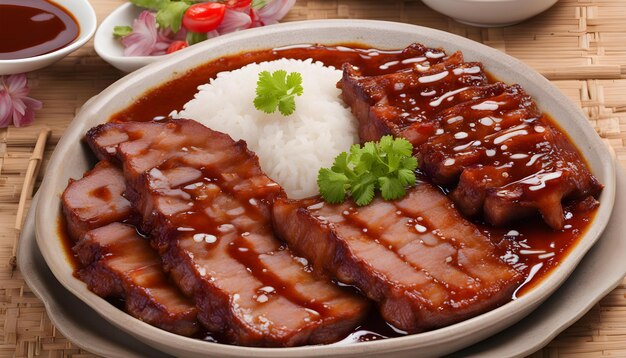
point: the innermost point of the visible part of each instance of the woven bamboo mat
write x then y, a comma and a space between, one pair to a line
579, 44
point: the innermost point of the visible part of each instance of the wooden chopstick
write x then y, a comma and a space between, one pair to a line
30, 178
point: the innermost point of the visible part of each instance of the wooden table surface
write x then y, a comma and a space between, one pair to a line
580, 45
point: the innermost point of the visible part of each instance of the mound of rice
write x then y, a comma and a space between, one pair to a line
291, 149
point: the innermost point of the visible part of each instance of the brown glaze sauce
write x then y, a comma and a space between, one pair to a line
530, 246
31, 28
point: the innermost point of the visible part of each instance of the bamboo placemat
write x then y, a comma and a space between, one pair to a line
578, 44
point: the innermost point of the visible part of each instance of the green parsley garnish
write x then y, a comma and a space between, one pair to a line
278, 90
170, 15
387, 166
121, 31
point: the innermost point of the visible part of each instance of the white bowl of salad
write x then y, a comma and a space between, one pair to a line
142, 31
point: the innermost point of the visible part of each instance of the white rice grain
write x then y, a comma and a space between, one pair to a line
291, 149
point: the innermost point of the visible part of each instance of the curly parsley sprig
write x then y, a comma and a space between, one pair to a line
387, 166
278, 90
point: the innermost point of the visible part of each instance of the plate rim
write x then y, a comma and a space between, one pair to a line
447, 335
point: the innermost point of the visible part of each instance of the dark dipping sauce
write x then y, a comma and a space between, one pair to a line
30, 28
530, 246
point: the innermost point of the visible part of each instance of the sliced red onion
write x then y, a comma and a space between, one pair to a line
274, 11
146, 39
234, 21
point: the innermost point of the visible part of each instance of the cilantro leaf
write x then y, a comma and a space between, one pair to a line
151, 4
193, 38
121, 31
406, 176
286, 106
363, 190
258, 4
391, 188
171, 15
332, 185
387, 166
278, 90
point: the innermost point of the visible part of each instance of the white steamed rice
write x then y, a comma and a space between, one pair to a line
291, 149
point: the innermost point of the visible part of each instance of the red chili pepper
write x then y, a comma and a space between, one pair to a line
204, 17
176, 45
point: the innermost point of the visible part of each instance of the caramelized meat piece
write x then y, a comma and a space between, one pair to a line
120, 263
95, 200
486, 141
380, 102
424, 264
207, 205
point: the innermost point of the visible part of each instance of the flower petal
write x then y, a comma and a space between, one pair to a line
274, 11
29, 115
6, 109
14, 83
32, 103
19, 107
234, 21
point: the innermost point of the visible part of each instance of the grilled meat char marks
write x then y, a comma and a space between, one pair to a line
424, 264
486, 140
119, 263
207, 205
116, 261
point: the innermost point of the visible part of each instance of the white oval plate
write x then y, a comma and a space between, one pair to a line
71, 159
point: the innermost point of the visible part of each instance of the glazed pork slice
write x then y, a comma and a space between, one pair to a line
423, 264
118, 263
382, 106
95, 200
487, 142
207, 205
506, 160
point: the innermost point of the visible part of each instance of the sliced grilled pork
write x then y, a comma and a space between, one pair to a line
95, 200
488, 140
424, 264
380, 102
120, 263
207, 205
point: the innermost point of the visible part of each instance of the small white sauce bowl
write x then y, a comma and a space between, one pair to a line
490, 13
86, 18
111, 49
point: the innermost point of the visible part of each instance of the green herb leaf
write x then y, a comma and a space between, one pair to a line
278, 91
121, 31
171, 15
387, 166
194, 37
258, 4
151, 4
333, 184
363, 189
391, 188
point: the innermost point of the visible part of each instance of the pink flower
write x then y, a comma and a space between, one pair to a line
234, 20
146, 39
272, 12
15, 106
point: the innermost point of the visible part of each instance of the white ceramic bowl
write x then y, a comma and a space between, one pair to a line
111, 49
490, 13
86, 17
71, 159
